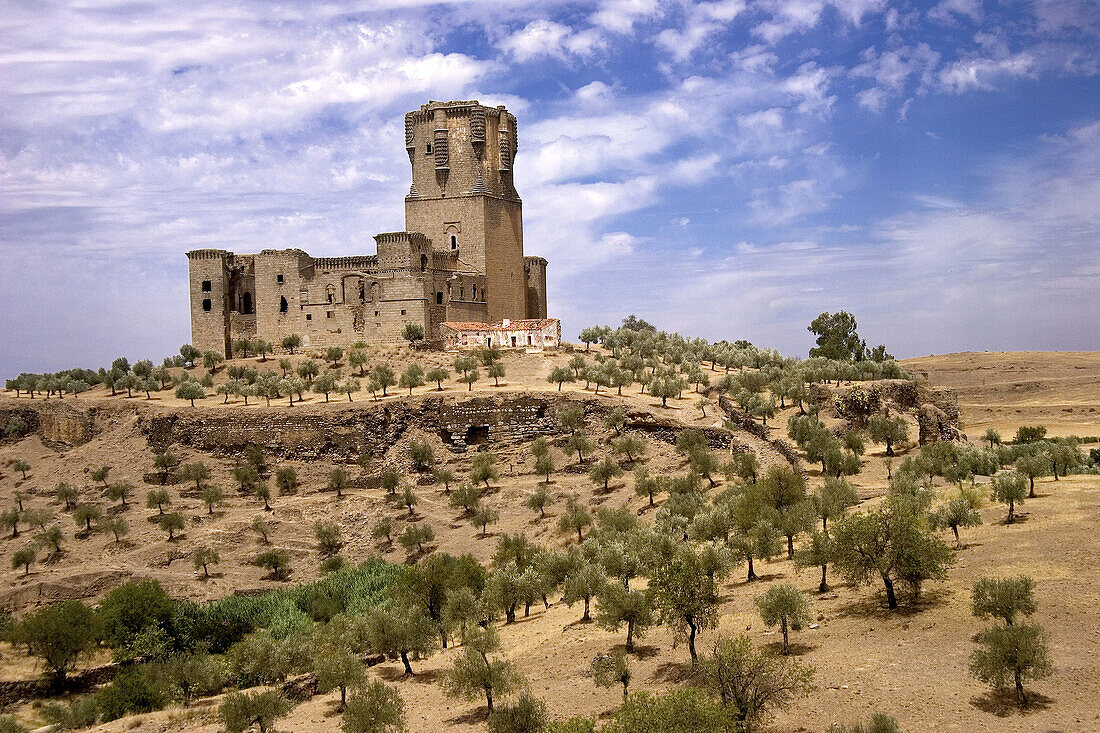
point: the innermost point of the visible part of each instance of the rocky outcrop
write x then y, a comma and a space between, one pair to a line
936, 409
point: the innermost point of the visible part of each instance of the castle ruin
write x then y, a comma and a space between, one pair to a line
461, 258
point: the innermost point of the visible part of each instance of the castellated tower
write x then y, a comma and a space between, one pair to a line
463, 198
458, 265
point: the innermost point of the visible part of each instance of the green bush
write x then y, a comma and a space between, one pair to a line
80, 712
132, 691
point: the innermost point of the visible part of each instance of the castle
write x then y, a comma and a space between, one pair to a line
460, 260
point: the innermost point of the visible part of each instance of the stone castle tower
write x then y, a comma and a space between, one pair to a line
460, 259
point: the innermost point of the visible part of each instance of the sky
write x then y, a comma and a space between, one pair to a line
727, 169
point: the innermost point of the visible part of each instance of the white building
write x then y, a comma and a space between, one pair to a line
529, 334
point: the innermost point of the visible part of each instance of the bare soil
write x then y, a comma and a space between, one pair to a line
911, 663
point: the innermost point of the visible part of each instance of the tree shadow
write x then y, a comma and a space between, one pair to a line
1002, 702
472, 717
642, 651
672, 672
874, 606
794, 648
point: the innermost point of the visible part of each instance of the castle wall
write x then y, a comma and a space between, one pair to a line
209, 288
460, 260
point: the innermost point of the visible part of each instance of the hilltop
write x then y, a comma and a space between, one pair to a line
911, 663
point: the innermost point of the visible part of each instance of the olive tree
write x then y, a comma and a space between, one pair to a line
787, 606
240, 711
59, 635
617, 606
1009, 488
753, 682
374, 708
475, 673
686, 597
1004, 598
1011, 654
892, 543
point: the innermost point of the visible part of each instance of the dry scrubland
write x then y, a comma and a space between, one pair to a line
911, 662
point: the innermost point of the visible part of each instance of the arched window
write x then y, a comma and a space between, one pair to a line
423, 263
454, 242
282, 305
375, 292
246, 303
362, 292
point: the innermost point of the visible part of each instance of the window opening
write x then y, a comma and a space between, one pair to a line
206, 286
282, 305
206, 304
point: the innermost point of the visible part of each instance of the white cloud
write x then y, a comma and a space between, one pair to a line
798, 16
703, 21
891, 71
541, 38
948, 11
620, 16
984, 73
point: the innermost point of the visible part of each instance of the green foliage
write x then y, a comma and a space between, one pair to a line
76, 713
415, 535
338, 480
679, 711
483, 469
413, 332
890, 431
485, 516
132, 691
328, 538
604, 470
609, 670
374, 708
1004, 598
190, 391
686, 597
1030, 434
575, 518
202, 558
438, 375
620, 607
171, 523
526, 715
421, 455
240, 711
837, 337
475, 674
753, 682
59, 634
338, 668
957, 512
400, 630
276, 562
539, 499
561, 375
1009, 488
890, 543
1011, 654
23, 557
787, 606
580, 443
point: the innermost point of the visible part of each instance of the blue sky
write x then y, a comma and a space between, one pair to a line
728, 169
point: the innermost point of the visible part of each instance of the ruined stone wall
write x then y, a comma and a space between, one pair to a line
209, 295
